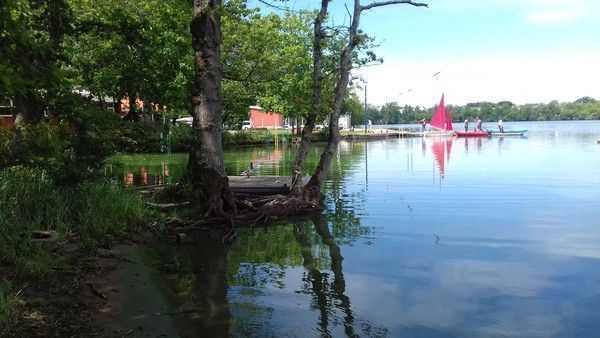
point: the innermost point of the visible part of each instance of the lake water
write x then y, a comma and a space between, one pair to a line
421, 237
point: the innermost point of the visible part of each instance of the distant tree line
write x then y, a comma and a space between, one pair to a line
585, 108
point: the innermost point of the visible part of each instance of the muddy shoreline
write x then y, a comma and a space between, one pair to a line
100, 294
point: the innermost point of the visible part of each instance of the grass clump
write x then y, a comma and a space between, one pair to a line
90, 212
10, 304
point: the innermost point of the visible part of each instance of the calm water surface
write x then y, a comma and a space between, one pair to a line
421, 237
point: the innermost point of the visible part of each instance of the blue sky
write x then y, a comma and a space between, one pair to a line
525, 51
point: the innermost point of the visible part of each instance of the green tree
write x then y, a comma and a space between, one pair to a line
135, 49
266, 60
354, 107
31, 55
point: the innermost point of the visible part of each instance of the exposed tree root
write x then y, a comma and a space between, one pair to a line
250, 212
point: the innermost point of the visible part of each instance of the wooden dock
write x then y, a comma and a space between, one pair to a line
260, 185
245, 185
377, 134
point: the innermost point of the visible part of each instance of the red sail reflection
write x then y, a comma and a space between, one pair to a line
441, 152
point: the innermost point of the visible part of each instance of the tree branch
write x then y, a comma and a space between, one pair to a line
392, 2
348, 11
231, 77
281, 8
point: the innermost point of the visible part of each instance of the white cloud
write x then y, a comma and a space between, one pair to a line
449, 292
553, 11
524, 80
556, 2
535, 11
556, 15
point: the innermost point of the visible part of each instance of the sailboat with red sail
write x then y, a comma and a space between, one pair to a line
441, 121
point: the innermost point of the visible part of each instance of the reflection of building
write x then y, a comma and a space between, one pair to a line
262, 119
145, 177
128, 179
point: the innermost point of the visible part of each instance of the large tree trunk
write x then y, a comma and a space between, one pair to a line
316, 100
205, 164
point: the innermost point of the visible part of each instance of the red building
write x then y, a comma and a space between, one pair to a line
262, 119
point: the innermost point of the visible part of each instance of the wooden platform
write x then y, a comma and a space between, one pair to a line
260, 185
370, 136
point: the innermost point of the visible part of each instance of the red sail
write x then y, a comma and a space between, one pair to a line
448, 120
438, 119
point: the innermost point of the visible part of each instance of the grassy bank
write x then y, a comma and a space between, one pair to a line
156, 138
40, 220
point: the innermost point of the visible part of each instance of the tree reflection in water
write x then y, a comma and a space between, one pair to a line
209, 305
221, 290
259, 285
317, 280
328, 295
339, 284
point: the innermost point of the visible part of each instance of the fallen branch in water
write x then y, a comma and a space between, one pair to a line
167, 206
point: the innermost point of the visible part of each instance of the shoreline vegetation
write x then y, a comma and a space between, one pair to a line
144, 137
50, 235
584, 108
